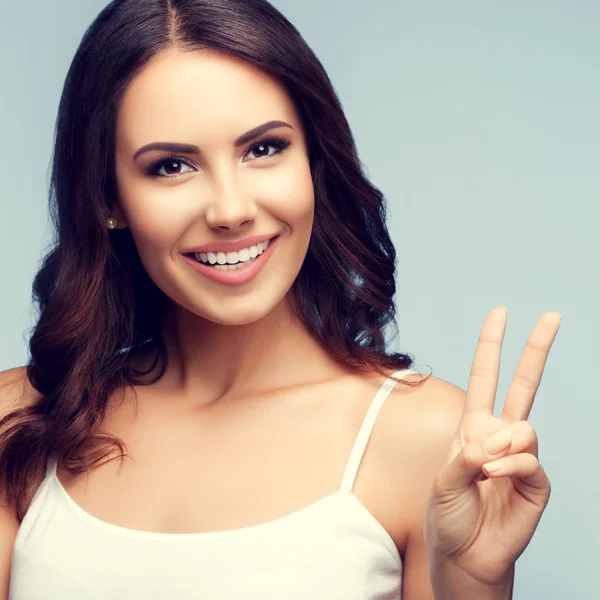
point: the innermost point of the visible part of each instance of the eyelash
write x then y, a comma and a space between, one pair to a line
277, 142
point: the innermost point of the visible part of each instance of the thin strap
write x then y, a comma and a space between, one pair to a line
367, 427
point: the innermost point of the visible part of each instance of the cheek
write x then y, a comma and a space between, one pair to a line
156, 214
291, 197
156, 219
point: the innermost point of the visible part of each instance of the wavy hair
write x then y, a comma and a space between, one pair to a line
98, 307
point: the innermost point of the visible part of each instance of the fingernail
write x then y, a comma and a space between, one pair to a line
501, 310
498, 441
493, 467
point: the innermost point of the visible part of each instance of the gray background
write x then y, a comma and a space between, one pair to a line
480, 123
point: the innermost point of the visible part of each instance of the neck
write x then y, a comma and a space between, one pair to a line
210, 362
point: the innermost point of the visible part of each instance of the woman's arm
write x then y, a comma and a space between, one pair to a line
411, 441
450, 583
487, 496
15, 392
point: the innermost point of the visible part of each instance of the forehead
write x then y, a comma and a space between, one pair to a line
178, 93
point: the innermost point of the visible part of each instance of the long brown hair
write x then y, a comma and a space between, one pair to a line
98, 308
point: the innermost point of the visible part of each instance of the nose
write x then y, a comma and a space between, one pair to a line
230, 210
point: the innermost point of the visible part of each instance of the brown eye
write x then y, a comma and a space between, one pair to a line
261, 149
171, 167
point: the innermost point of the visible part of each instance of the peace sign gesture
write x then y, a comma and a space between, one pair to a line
480, 518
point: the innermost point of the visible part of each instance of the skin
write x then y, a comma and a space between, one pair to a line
235, 351
209, 99
251, 406
486, 503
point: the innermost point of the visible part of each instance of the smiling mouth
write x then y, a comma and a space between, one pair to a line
231, 261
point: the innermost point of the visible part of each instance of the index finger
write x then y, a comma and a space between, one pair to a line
485, 370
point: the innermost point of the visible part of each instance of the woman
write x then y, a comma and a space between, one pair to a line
214, 310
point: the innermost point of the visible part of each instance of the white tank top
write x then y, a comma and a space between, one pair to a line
333, 549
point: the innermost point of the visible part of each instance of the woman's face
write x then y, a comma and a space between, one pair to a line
222, 191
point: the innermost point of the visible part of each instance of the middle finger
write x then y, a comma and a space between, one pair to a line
526, 381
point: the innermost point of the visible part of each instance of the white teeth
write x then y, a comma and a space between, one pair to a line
230, 259
234, 267
244, 255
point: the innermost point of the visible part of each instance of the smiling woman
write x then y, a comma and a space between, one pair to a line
214, 309
233, 185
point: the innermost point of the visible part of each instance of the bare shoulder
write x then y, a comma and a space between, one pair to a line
414, 434
16, 390
419, 418
411, 440
409, 444
428, 413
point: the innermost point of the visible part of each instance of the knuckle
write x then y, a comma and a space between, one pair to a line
526, 463
470, 454
536, 345
482, 371
524, 381
528, 431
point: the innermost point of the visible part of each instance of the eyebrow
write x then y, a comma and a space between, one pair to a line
191, 149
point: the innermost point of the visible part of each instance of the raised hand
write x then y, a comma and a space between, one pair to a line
478, 518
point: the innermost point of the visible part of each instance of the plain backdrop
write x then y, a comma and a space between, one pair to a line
480, 123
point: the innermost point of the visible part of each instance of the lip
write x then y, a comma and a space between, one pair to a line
231, 246
239, 276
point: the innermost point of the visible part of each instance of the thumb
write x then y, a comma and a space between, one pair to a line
467, 465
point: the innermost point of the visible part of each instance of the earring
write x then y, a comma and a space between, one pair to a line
112, 223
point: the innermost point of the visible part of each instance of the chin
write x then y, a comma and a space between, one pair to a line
237, 317
234, 305
240, 310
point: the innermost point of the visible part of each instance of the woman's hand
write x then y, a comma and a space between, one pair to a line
478, 519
